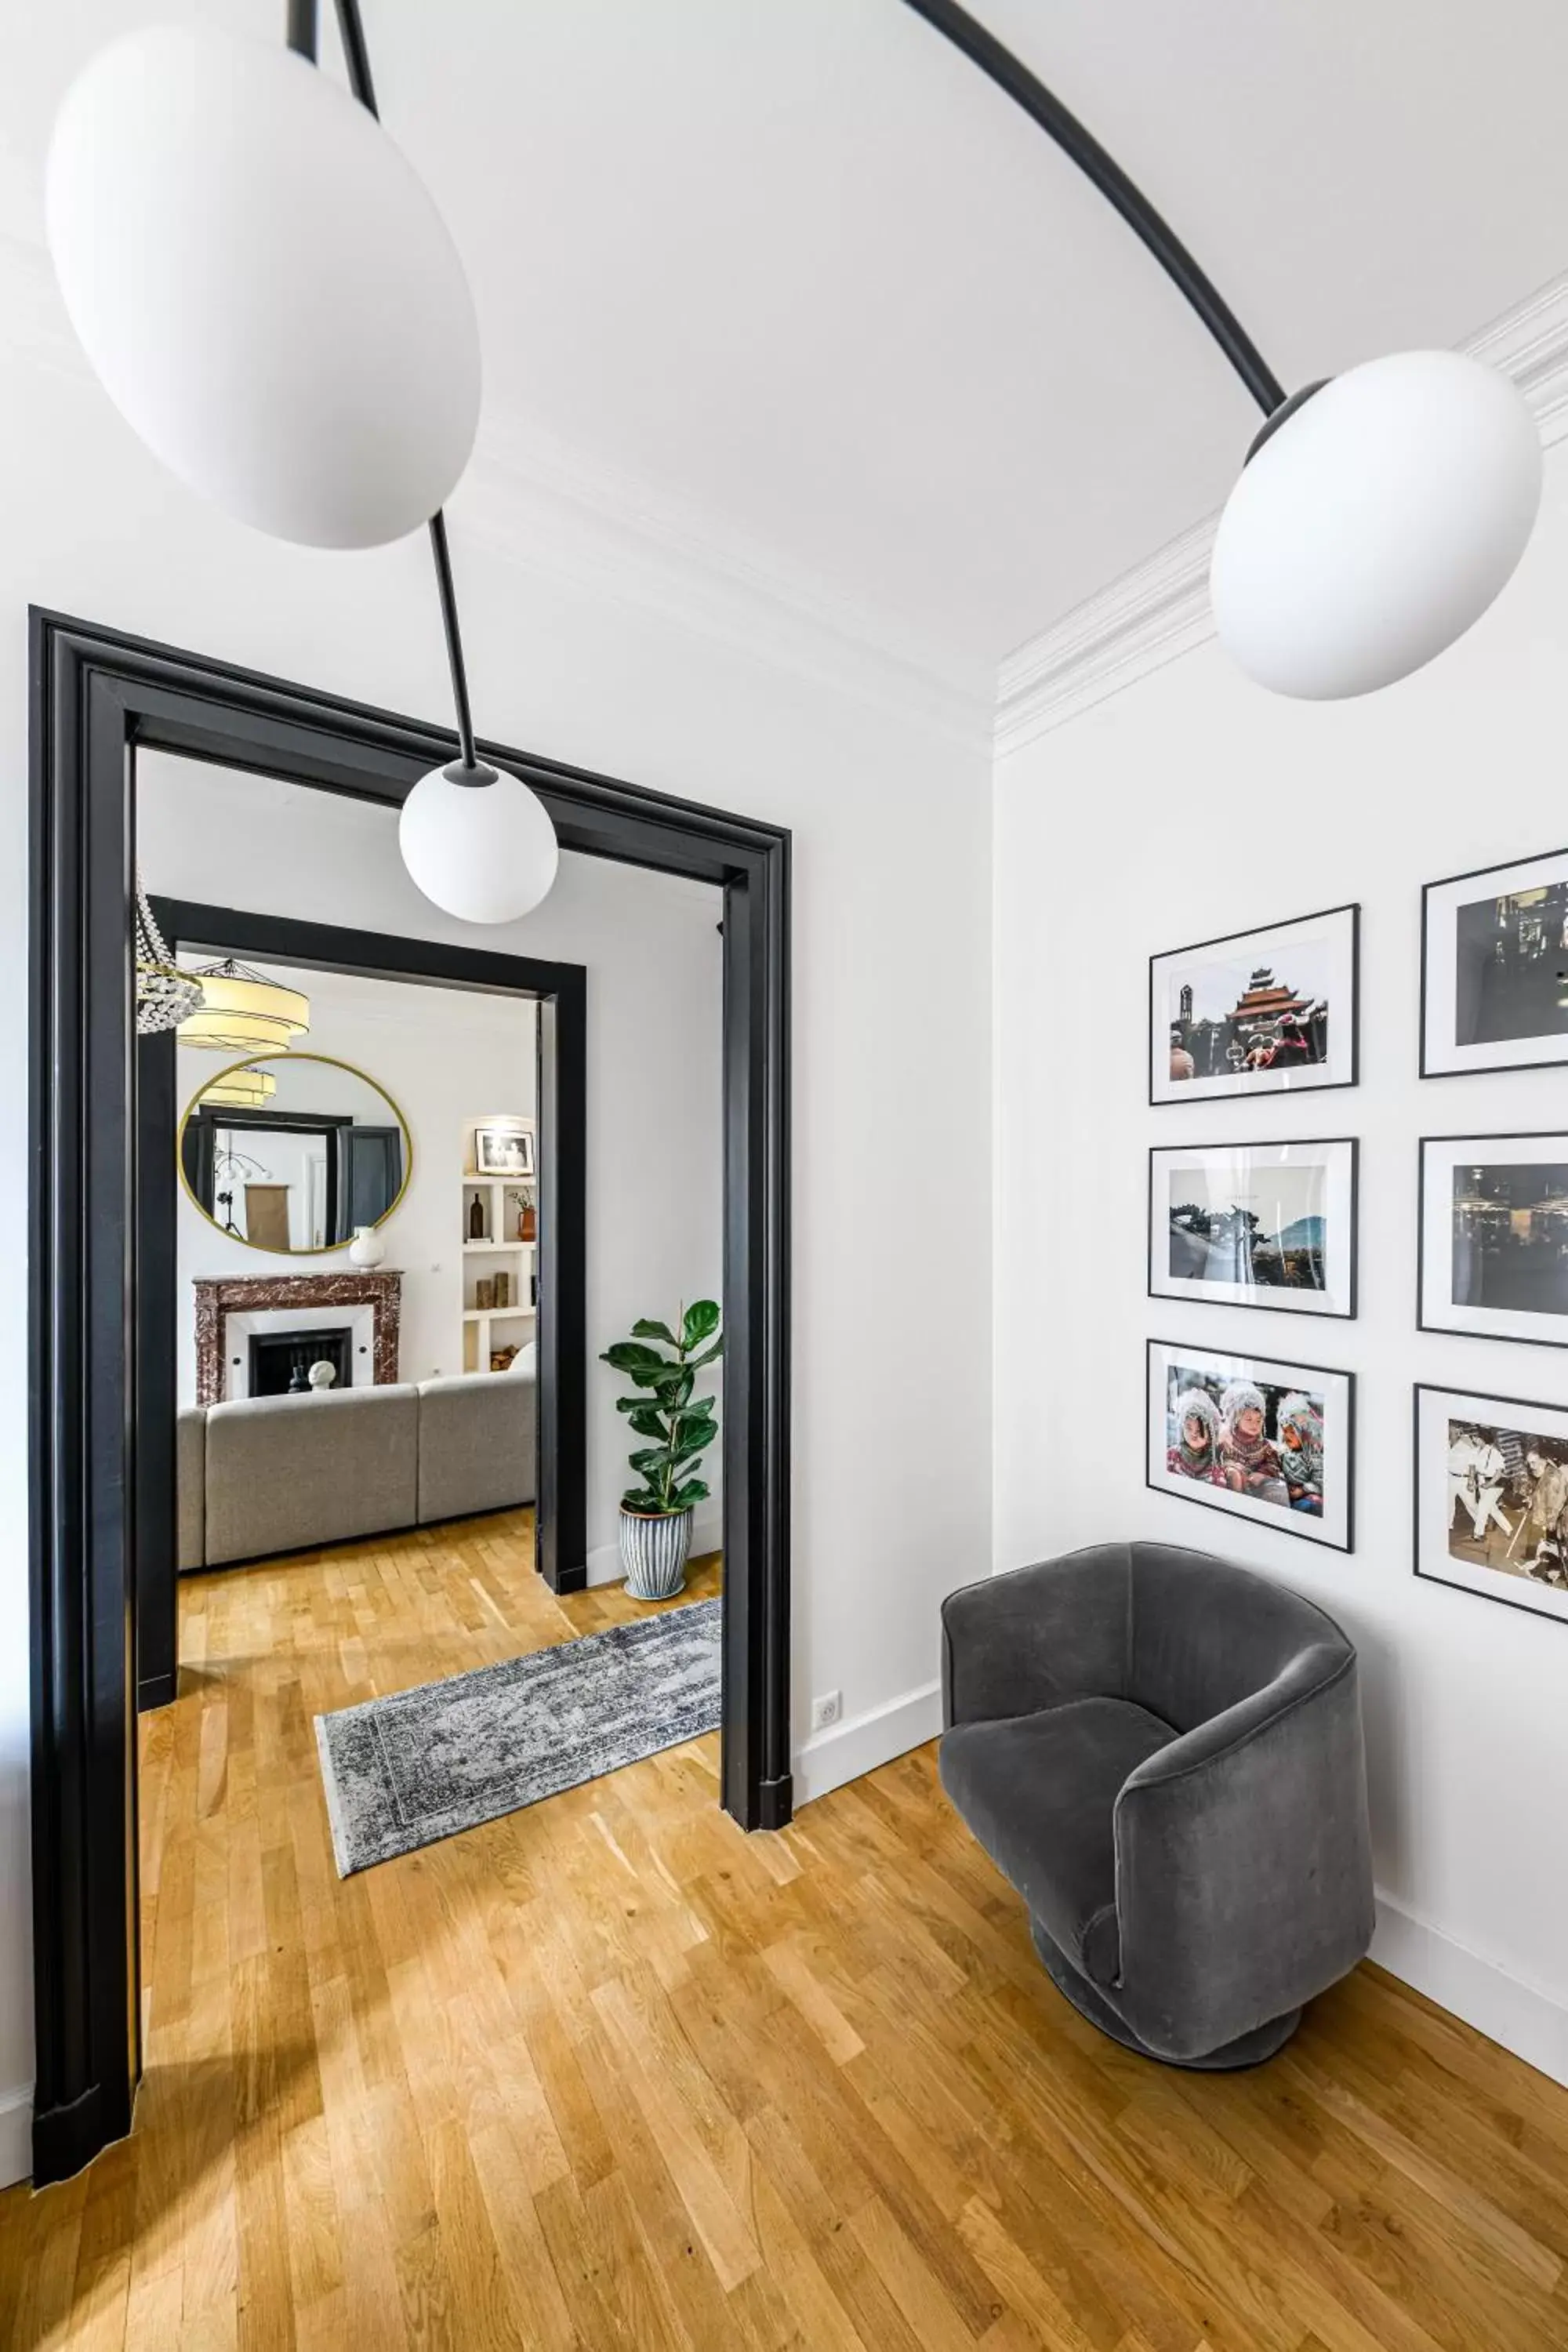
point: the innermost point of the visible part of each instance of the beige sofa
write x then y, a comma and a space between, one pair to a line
282, 1473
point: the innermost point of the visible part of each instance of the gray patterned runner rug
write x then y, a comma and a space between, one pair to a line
419, 1765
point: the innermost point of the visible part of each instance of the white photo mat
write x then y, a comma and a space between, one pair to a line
1336, 1392
1441, 1053
1281, 1184
1316, 955
1441, 1512
1437, 1309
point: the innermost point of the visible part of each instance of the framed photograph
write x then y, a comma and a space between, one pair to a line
1260, 1013
1493, 1249
503, 1151
1494, 968
1255, 1224
1266, 1441
1491, 1497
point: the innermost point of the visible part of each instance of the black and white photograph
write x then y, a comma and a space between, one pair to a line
1265, 1012
1266, 1441
1491, 1497
1255, 1224
503, 1151
1494, 1236
1494, 969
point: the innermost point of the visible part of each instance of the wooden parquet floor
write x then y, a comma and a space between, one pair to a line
608, 2073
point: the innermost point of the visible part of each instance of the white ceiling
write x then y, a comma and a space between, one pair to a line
793, 272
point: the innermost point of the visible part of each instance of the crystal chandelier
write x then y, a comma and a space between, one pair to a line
164, 994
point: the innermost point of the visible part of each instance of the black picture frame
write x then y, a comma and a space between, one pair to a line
1267, 1304
1284, 1526
97, 696
1229, 939
1465, 1330
521, 1136
1473, 1070
1450, 1583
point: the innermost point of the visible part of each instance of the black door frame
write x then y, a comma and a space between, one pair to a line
96, 696
559, 991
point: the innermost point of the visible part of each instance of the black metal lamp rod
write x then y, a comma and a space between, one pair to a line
302, 37
983, 49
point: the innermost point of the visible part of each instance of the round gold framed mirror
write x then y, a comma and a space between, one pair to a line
292, 1153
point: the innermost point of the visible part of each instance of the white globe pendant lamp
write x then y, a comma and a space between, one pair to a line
263, 284
477, 843
1374, 522
1377, 515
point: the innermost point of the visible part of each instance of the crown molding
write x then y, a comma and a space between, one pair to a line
547, 508
1160, 610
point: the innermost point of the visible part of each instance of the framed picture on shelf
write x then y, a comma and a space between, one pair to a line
503, 1151
1493, 1236
1255, 1224
1269, 1442
1260, 1013
1494, 968
1491, 1497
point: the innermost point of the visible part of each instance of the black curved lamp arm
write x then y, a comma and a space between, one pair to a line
301, 37
983, 49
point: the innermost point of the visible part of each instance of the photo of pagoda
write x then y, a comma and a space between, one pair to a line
1229, 1019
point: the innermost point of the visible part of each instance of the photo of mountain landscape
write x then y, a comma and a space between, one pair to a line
1246, 1224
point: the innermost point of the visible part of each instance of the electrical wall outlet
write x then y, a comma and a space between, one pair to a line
827, 1709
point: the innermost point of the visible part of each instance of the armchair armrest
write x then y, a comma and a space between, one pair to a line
1038, 1636
1243, 1862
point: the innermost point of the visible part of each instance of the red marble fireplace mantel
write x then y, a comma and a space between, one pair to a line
218, 1296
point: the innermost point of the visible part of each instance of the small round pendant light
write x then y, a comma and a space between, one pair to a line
243, 1011
477, 843
262, 283
1375, 523
239, 1089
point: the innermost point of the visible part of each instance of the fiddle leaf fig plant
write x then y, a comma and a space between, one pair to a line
681, 1425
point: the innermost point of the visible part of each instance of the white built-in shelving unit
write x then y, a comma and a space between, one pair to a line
486, 1329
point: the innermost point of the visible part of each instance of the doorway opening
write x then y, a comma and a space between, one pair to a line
100, 698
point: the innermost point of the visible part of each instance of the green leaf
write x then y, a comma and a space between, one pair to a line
652, 1461
695, 1363
701, 1322
673, 1386
643, 1329
694, 1491
629, 1356
640, 1499
695, 1432
644, 1418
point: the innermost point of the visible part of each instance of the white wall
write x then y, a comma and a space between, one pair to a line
581, 645
441, 1055
653, 958
1194, 804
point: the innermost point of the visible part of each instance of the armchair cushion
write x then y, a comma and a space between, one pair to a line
1040, 1792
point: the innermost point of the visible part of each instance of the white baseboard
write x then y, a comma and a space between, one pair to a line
15, 2135
707, 1535
828, 1759
1523, 2018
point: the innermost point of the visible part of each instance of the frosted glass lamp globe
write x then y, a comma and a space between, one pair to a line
263, 284
1375, 525
483, 851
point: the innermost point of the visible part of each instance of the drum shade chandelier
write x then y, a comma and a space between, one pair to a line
269, 295
243, 1011
239, 1089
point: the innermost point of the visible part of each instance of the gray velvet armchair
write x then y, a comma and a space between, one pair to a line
1162, 1752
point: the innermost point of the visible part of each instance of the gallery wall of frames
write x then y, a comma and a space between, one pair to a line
1271, 1224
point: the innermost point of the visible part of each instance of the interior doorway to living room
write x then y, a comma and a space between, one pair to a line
370, 1176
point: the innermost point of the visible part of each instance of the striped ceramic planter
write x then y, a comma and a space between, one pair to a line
653, 1552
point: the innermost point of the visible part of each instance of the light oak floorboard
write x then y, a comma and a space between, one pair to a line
608, 2073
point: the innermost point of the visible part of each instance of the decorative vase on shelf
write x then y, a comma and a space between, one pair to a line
476, 1218
367, 1248
527, 1223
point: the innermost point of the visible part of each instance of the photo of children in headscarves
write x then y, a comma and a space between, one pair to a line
1508, 1501
1252, 1438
